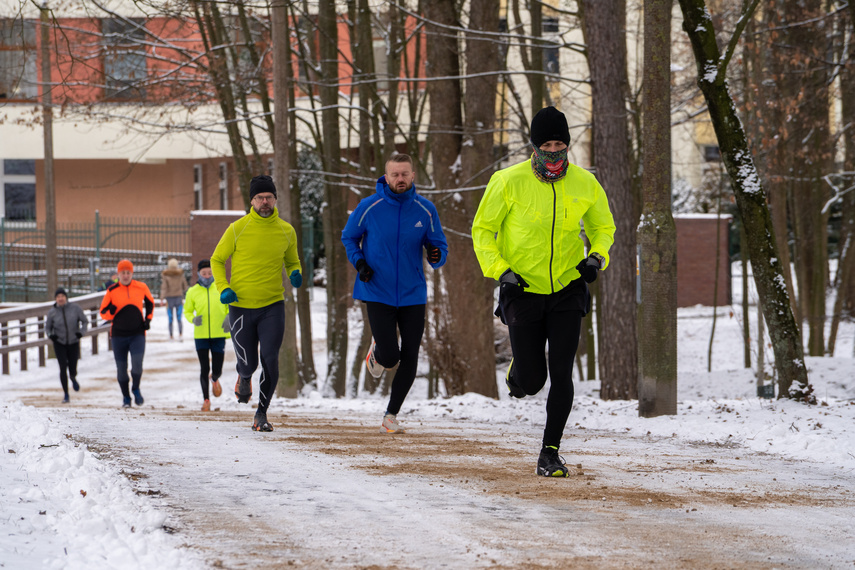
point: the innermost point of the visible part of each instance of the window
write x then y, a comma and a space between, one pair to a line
197, 187
18, 71
550, 26
124, 58
224, 186
551, 63
712, 153
18, 184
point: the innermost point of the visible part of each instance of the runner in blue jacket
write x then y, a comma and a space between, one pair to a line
384, 237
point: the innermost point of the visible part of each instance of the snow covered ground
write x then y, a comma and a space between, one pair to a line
90, 485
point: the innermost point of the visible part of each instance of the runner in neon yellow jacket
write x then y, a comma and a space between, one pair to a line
210, 319
526, 236
532, 227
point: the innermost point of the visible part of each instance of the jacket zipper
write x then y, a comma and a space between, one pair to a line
208, 289
552, 238
398, 259
65, 320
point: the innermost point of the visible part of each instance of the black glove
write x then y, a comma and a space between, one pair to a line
590, 266
365, 271
78, 335
146, 324
433, 253
511, 285
53, 337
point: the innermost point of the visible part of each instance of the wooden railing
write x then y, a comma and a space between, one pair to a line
31, 323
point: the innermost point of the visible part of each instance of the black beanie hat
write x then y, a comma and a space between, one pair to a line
203, 264
260, 184
60, 291
549, 124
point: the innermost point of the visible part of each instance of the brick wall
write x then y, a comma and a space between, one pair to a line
696, 255
206, 229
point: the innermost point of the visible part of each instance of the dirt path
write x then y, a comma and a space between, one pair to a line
332, 492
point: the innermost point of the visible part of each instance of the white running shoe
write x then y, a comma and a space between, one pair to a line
373, 367
390, 425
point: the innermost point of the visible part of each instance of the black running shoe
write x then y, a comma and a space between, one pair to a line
260, 422
138, 399
75, 385
550, 464
514, 390
243, 390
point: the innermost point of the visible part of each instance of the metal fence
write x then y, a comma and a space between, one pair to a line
87, 253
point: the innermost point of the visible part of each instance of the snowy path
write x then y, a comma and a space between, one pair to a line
326, 490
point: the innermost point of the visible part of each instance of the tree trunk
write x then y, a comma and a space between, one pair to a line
335, 213
472, 300
364, 72
751, 201
289, 381
846, 260
657, 234
218, 71
605, 22
762, 117
308, 374
445, 131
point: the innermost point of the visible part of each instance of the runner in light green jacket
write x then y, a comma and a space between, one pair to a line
526, 236
210, 319
261, 245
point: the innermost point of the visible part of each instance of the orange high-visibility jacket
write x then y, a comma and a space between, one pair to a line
130, 308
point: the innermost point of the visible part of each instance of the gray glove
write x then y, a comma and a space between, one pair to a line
197, 320
226, 326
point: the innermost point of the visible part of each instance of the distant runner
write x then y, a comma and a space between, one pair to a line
65, 325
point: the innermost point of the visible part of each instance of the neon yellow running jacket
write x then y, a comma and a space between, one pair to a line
532, 227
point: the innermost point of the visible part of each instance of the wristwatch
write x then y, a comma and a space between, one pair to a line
600, 259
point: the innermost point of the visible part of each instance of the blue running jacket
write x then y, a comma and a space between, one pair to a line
389, 231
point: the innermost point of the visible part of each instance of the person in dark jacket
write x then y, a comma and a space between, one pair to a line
129, 305
65, 325
384, 238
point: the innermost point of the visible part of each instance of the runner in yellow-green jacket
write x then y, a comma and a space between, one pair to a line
261, 246
210, 319
526, 236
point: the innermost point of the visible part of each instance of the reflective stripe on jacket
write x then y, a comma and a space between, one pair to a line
532, 227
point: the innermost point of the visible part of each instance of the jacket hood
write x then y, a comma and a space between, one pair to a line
170, 271
387, 193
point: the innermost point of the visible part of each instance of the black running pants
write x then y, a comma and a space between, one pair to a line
535, 321
66, 356
386, 321
259, 330
216, 346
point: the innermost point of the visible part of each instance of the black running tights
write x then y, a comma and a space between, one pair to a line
528, 343
386, 321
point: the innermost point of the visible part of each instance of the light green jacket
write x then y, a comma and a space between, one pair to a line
205, 302
532, 227
260, 248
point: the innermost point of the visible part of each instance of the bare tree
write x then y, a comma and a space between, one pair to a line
750, 197
473, 294
335, 212
604, 24
657, 390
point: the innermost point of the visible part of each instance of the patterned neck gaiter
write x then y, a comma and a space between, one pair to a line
549, 166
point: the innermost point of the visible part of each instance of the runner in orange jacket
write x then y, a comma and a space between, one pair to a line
128, 304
